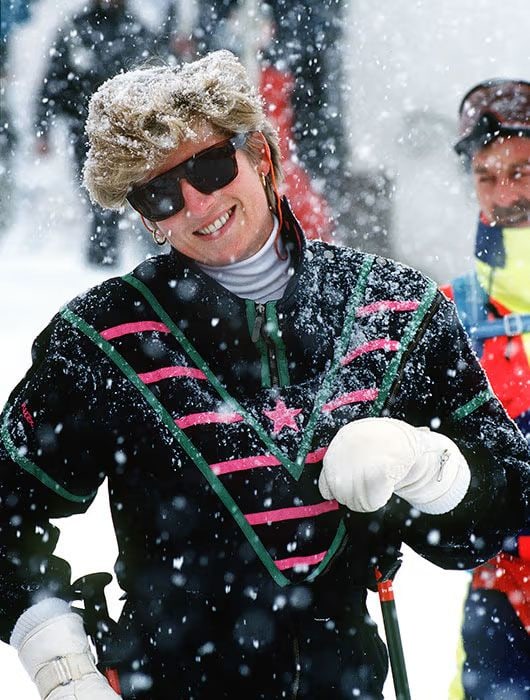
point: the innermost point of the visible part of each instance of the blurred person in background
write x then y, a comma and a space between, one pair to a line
305, 39
13, 13
274, 416
300, 57
493, 301
100, 40
306, 44
253, 29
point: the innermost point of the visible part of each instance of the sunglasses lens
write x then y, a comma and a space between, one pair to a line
213, 169
161, 201
207, 172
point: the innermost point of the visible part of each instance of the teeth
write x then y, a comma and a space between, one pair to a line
221, 221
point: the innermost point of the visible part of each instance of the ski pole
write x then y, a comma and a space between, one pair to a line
90, 589
393, 636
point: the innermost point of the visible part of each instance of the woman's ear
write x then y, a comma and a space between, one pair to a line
159, 237
149, 225
260, 153
265, 164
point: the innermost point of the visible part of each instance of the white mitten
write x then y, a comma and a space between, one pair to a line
370, 459
56, 653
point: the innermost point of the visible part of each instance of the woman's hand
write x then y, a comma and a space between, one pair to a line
89, 688
370, 459
57, 656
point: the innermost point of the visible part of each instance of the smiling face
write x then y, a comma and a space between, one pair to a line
502, 181
228, 225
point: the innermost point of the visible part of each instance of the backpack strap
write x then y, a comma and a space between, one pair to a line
471, 302
509, 325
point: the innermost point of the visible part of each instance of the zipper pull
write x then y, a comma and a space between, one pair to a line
443, 459
258, 322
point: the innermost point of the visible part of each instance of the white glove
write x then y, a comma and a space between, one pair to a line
370, 459
57, 656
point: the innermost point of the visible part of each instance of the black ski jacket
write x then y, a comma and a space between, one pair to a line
209, 415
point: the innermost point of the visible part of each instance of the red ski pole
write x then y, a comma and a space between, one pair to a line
393, 636
111, 674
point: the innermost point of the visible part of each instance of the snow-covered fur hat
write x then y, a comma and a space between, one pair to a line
136, 119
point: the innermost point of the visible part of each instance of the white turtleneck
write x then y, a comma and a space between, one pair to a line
262, 277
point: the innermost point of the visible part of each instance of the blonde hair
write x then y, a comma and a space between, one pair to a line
136, 119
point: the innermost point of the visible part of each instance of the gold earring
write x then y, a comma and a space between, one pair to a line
155, 232
158, 237
263, 180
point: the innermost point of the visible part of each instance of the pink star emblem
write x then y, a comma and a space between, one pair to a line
283, 417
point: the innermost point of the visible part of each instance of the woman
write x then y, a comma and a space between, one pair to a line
275, 416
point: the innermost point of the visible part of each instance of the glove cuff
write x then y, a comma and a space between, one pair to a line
439, 479
35, 616
450, 498
56, 654
57, 637
62, 671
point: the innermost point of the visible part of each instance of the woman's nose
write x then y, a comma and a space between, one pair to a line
195, 202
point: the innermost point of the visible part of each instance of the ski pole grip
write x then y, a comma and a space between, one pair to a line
91, 590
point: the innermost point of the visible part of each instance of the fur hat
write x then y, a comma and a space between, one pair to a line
136, 119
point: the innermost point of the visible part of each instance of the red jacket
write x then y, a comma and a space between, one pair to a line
507, 366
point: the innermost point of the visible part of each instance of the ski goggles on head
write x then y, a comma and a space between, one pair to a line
491, 109
207, 171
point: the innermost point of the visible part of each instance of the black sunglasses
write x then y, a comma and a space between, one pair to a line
207, 171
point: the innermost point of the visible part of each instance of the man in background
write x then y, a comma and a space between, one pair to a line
493, 301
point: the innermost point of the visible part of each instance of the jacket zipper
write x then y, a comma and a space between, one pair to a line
259, 320
260, 330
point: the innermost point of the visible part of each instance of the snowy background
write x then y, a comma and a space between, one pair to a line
408, 64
